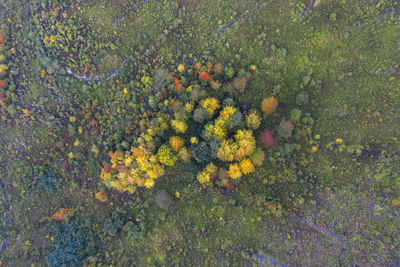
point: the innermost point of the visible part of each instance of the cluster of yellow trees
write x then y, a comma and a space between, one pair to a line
236, 150
138, 167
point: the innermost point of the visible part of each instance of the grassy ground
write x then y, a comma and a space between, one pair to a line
345, 54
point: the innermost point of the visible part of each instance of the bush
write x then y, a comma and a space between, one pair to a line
49, 181
307, 119
302, 98
258, 157
74, 241
228, 102
135, 231
113, 223
230, 72
295, 115
239, 84
196, 93
205, 175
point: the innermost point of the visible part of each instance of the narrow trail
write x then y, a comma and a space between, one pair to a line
119, 19
6, 206
265, 259
217, 36
5, 219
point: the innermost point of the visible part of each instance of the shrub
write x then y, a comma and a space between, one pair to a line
62, 214
307, 119
135, 231
101, 195
197, 65
269, 105
184, 154
258, 157
73, 242
205, 175
228, 102
49, 181
215, 85
302, 98
113, 223
3, 84
209, 66
204, 76
230, 72
239, 84
3, 70
295, 115
219, 68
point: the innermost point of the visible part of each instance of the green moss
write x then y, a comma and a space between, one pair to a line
343, 54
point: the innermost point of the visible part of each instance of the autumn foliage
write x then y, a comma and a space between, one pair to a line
269, 105
266, 139
3, 84
204, 76
62, 214
198, 126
